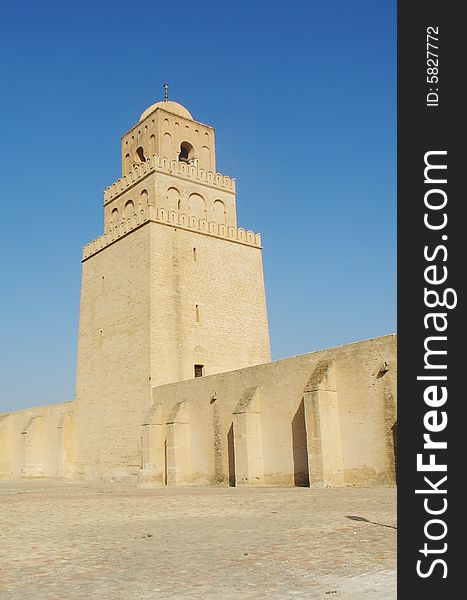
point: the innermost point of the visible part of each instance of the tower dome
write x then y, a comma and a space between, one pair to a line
168, 105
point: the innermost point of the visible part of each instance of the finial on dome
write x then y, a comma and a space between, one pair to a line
166, 92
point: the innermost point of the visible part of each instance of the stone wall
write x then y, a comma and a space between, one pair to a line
38, 442
326, 418
320, 419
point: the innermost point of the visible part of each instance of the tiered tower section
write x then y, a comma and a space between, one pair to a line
171, 290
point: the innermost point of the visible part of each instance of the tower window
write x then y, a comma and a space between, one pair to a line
199, 370
186, 152
140, 154
194, 254
114, 216
197, 313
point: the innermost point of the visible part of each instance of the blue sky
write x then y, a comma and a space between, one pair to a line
302, 96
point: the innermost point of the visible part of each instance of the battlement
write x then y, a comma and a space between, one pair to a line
172, 167
173, 219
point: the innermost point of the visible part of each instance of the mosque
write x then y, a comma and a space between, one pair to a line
175, 384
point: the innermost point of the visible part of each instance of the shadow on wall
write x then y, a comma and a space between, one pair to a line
299, 448
231, 455
394, 442
166, 477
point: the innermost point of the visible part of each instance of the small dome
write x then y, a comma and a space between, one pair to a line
168, 105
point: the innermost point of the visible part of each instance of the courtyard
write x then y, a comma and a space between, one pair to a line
67, 541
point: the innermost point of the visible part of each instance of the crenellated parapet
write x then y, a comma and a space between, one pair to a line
170, 167
172, 219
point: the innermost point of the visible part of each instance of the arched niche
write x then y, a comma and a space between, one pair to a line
187, 152
173, 199
140, 155
114, 217
197, 206
167, 145
219, 212
129, 209
205, 157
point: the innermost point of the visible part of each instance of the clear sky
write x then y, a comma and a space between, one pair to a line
302, 96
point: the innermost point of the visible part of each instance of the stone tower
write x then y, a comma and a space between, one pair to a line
171, 290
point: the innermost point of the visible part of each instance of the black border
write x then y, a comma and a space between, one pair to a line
422, 128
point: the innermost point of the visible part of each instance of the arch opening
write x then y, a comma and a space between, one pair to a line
129, 209
187, 152
219, 212
114, 216
140, 154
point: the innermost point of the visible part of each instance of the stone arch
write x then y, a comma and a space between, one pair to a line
140, 156
187, 152
173, 199
114, 217
219, 212
197, 206
205, 157
143, 200
129, 209
33, 448
167, 145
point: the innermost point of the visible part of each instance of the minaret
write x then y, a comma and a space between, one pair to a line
171, 290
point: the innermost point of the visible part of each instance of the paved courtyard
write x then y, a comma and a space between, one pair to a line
65, 540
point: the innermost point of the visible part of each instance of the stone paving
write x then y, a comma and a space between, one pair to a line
63, 541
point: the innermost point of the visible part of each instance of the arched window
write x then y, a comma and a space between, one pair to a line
205, 157
186, 152
173, 199
167, 146
219, 212
197, 206
143, 202
114, 216
140, 154
129, 209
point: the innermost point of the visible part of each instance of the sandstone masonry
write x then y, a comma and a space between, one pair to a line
174, 380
